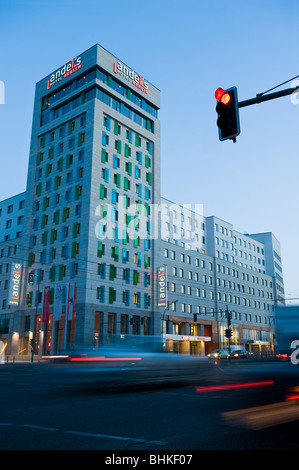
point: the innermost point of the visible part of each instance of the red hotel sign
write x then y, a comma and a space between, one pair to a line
15, 284
130, 75
65, 71
161, 281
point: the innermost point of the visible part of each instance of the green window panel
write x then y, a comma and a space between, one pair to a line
146, 261
104, 156
60, 272
128, 167
126, 201
135, 277
137, 140
47, 169
149, 178
117, 180
60, 164
126, 183
115, 253
146, 209
56, 182
112, 295
52, 273
38, 158
68, 160
100, 249
56, 216
102, 191
51, 301
136, 240
38, 190
139, 210
75, 229
42, 141
64, 214
77, 191
116, 128
112, 272
129, 219
52, 236
45, 238
51, 152
73, 255
148, 125
43, 221
30, 259
127, 150
104, 211
147, 161
125, 237
45, 203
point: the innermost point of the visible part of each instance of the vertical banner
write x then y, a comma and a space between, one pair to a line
161, 281
46, 304
58, 300
15, 284
71, 294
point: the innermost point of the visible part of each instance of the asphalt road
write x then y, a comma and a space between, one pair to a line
41, 409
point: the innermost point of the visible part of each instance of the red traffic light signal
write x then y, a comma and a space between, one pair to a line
228, 113
222, 96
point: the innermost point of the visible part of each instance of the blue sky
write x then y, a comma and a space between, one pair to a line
187, 49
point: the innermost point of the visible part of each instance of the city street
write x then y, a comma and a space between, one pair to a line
42, 410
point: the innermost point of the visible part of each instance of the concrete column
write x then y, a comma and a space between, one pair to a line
117, 324
186, 347
14, 343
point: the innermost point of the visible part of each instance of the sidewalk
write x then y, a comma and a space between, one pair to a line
16, 358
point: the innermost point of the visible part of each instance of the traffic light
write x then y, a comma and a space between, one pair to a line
31, 279
229, 317
228, 332
29, 299
228, 113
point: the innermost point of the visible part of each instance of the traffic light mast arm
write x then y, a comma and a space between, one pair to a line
260, 98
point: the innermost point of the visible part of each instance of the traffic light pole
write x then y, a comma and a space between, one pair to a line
228, 327
261, 97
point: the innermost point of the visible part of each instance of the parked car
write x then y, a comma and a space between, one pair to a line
239, 354
219, 354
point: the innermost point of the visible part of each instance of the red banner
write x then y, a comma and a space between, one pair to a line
46, 304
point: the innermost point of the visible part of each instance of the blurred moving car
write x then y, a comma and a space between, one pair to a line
219, 354
239, 354
283, 354
129, 363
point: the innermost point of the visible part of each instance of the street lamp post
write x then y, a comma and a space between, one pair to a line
162, 319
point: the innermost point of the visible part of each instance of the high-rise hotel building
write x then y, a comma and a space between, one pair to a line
93, 223
93, 168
